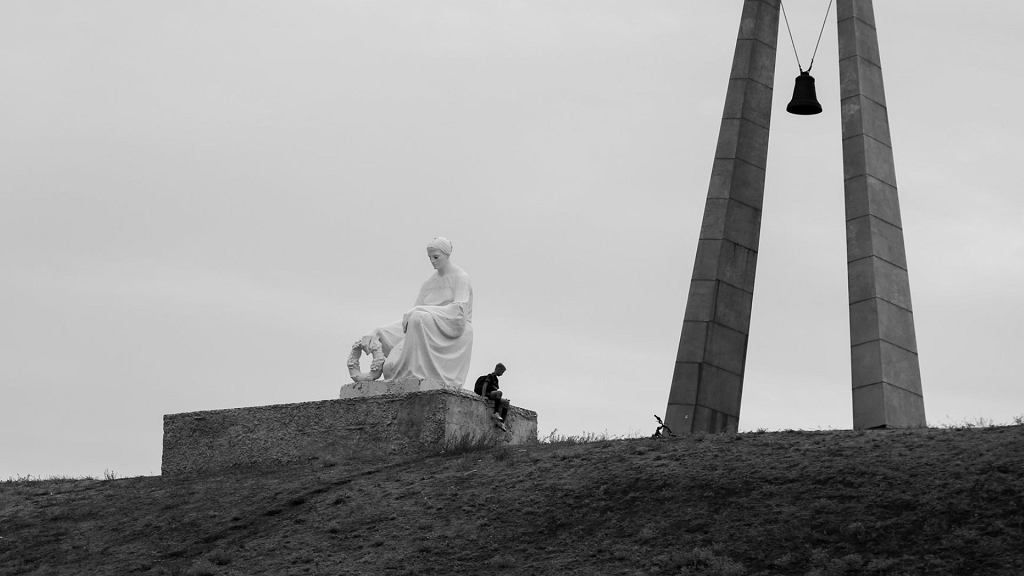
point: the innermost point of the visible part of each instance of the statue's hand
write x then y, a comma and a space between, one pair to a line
405, 317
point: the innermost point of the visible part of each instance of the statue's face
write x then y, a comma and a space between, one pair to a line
437, 258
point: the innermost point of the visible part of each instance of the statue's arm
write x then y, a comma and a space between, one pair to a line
458, 307
462, 288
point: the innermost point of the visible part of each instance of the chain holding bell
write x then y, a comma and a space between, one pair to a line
805, 100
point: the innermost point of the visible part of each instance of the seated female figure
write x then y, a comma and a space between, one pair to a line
434, 340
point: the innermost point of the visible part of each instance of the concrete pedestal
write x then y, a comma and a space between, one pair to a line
353, 429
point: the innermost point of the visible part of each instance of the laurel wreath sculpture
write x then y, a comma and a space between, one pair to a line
371, 346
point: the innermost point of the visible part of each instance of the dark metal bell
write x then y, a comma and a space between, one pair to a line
805, 101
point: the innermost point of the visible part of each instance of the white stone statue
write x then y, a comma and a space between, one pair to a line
434, 339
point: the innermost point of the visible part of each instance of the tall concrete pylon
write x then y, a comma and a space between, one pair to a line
707, 383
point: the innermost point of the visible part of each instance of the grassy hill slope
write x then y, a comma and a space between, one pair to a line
922, 502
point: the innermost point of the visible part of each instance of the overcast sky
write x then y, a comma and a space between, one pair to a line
203, 203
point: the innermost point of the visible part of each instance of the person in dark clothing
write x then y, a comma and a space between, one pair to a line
487, 386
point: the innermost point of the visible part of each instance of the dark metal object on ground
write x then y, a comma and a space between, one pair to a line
661, 426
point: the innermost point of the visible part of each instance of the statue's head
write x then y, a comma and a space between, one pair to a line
439, 250
499, 368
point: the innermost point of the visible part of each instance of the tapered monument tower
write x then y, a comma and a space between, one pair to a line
707, 383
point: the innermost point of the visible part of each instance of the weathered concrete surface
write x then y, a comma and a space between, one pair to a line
333, 430
886, 374
708, 378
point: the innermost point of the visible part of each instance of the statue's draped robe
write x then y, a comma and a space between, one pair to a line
438, 340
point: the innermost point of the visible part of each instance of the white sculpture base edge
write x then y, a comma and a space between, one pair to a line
392, 387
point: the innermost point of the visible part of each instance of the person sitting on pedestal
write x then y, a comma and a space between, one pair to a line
487, 386
434, 340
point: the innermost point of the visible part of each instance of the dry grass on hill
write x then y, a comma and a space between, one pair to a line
922, 502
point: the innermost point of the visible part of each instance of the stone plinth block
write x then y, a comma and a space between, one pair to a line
754, 60
746, 99
731, 220
858, 76
876, 319
737, 180
694, 418
727, 348
692, 342
869, 196
858, 38
726, 261
875, 278
861, 9
878, 361
863, 155
863, 116
742, 139
885, 406
760, 21
354, 429
869, 236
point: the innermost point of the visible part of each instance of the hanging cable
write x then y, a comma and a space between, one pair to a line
790, 30
793, 42
823, 22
